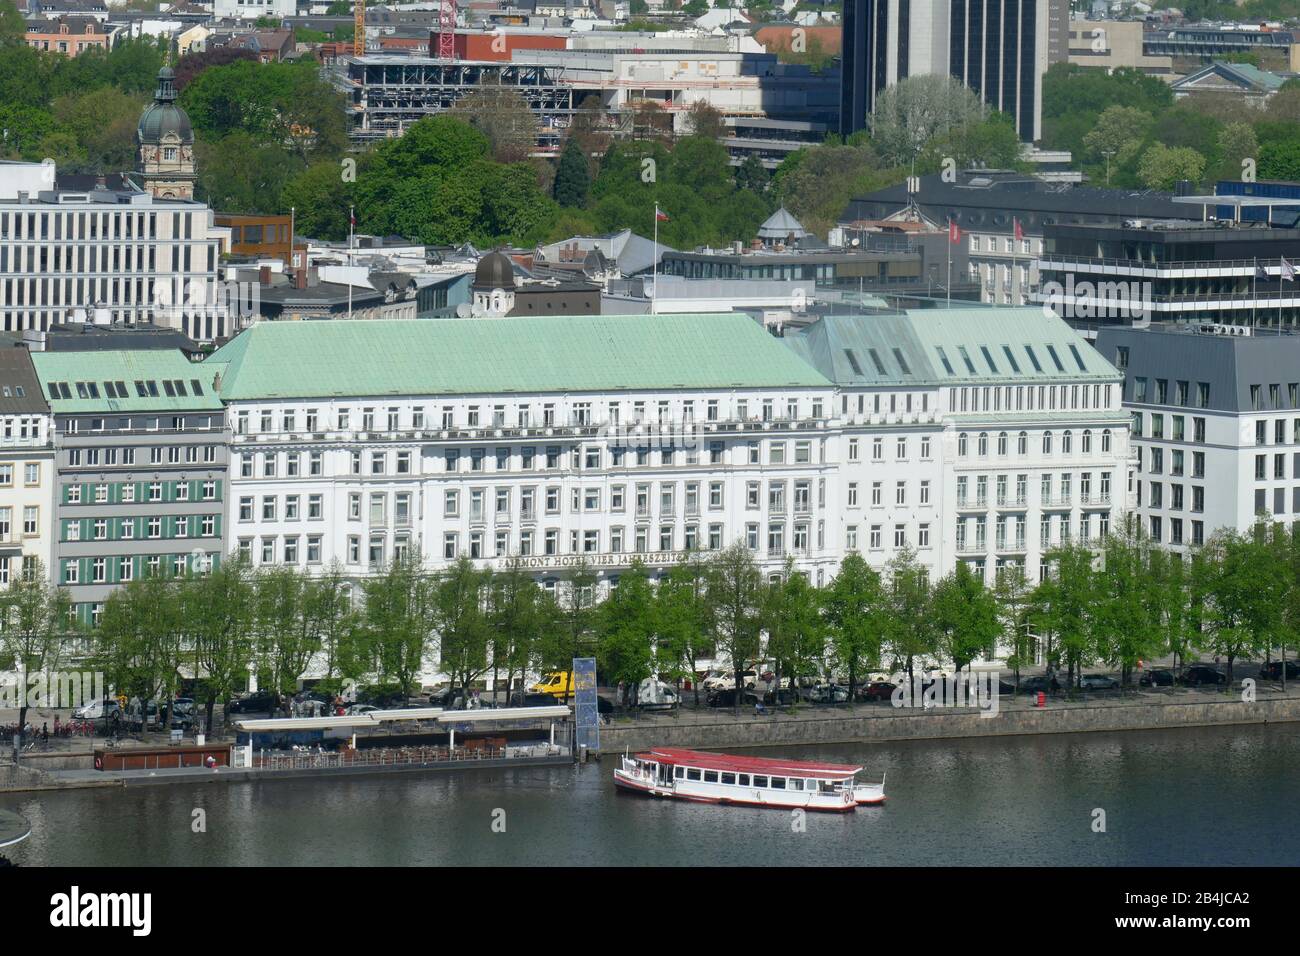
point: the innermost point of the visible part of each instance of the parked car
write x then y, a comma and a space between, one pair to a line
828, 694
1006, 687
183, 714
726, 697
1098, 682
356, 710
447, 697
1199, 674
108, 710
1039, 685
782, 697
878, 690
260, 702
1272, 670
723, 680
1157, 678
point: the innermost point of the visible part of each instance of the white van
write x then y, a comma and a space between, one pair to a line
99, 709
656, 695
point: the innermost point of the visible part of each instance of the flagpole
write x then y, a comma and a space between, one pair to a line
1015, 243
949, 286
654, 287
352, 227
1254, 301
1280, 260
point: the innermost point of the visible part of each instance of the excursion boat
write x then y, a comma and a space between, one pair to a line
753, 781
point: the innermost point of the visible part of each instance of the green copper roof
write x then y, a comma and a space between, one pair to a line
522, 355
129, 380
949, 347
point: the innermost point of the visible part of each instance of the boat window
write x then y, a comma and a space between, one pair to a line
679, 772
778, 783
760, 781
692, 775
744, 780
710, 776
729, 778
810, 784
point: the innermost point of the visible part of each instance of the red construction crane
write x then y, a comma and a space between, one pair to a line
447, 30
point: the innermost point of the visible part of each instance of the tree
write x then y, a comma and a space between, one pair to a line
405, 607
319, 199
752, 175
703, 120
1119, 133
915, 110
13, 28
684, 621
816, 184
519, 613
218, 610
1064, 607
1162, 167
626, 628
572, 179
139, 644
1011, 592
790, 612
196, 61
909, 628
34, 627
103, 121
328, 602
577, 612
288, 633
965, 616
853, 604
1125, 616
734, 591
1237, 143
502, 115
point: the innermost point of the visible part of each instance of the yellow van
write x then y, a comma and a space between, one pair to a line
558, 684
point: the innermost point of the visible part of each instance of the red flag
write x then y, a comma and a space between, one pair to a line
1020, 233
660, 216
954, 232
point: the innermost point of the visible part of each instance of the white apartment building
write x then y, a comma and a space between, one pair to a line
621, 438
1216, 425
26, 467
112, 253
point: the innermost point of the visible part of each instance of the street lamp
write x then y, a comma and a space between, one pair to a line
1108, 153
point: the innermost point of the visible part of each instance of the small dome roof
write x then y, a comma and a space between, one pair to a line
495, 271
163, 116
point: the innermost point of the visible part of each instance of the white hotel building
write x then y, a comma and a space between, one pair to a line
642, 437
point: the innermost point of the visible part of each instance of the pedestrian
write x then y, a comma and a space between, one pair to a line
45, 733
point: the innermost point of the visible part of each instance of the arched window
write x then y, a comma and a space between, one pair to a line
961, 445
1085, 442
1105, 441
1022, 444
1065, 443
984, 445
1047, 443
1002, 444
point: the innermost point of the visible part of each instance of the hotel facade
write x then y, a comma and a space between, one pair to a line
986, 436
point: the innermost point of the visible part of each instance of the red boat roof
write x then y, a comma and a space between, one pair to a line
764, 765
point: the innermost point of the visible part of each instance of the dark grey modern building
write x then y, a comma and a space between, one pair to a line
141, 460
1216, 426
998, 48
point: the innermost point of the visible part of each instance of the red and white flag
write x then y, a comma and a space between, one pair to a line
954, 232
1020, 233
352, 217
660, 216
1288, 270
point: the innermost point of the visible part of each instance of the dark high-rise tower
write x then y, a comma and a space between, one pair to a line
998, 48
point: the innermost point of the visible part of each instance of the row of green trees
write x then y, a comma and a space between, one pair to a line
1123, 602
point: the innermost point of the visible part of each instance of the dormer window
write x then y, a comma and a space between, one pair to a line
169, 153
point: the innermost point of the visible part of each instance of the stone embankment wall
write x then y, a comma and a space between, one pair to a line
882, 722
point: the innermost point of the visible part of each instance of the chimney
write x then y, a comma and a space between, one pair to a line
264, 275
300, 278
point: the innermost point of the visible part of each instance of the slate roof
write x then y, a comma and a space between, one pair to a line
83, 381
949, 347
20, 390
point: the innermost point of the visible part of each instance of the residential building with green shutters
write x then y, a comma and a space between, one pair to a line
140, 457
